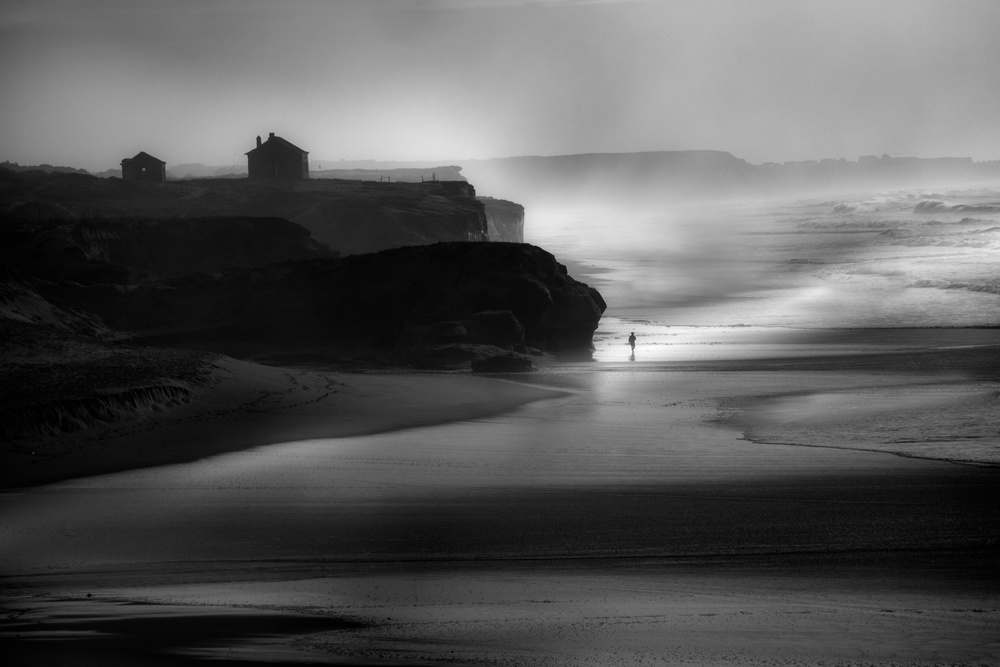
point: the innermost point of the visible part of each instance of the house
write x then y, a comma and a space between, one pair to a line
144, 167
277, 158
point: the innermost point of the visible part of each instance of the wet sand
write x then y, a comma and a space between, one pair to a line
605, 514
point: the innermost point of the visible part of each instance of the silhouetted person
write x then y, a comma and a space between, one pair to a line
631, 341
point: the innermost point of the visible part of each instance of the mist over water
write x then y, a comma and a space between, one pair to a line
891, 259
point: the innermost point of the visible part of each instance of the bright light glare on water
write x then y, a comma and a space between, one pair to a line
897, 259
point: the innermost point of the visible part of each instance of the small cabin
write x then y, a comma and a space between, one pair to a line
144, 167
277, 159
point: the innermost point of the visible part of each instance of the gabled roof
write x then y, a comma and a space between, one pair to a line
274, 143
143, 156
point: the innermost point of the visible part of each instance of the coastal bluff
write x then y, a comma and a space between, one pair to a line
426, 273
89, 356
348, 216
438, 306
122, 301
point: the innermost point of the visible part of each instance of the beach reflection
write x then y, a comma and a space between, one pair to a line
553, 477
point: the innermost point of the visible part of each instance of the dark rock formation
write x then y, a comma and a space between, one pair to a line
121, 251
415, 300
496, 327
457, 343
505, 220
95, 256
366, 217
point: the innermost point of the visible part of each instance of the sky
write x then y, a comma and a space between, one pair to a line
88, 82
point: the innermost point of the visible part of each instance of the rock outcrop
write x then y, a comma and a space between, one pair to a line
415, 300
226, 259
362, 216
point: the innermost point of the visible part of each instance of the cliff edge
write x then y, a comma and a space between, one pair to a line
504, 219
348, 216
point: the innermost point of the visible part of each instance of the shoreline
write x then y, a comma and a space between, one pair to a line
242, 405
621, 523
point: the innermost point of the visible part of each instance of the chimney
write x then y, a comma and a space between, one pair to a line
270, 135
258, 141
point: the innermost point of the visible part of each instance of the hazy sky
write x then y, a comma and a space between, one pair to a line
86, 83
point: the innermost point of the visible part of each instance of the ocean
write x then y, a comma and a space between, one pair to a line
885, 260
846, 279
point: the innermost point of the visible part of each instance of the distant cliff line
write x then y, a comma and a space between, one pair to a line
693, 175
680, 174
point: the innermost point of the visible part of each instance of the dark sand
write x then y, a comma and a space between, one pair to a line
617, 517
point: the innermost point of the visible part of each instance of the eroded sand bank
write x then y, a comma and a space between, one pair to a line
244, 405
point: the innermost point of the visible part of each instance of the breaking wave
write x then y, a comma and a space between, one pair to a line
934, 206
983, 287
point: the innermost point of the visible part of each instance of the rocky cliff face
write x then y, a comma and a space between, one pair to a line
413, 300
227, 259
356, 217
122, 251
351, 217
505, 220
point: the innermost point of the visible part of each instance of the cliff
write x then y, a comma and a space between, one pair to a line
68, 368
349, 216
355, 217
505, 220
472, 294
92, 265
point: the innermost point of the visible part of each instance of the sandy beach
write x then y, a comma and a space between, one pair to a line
499, 333
599, 513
